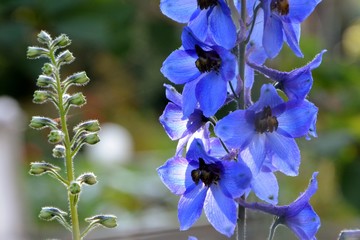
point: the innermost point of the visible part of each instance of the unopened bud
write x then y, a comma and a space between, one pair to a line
43, 37
36, 52
89, 126
77, 99
41, 96
61, 41
48, 69
55, 136
58, 151
65, 57
79, 79
39, 123
50, 213
91, 138
87, 178
39, 168
74, 187
108, 221
45, 81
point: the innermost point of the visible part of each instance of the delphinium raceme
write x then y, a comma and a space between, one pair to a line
54, 89
219, 162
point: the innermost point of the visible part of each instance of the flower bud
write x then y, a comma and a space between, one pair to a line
50, 213
61, 41
108, 221
87, 178
89, 126
43, 37
39, 123
45, 81
47, 69
55, 136
39, 168
41, 96
74, 187
91, 138
58, 151
65, 57
36, 52
77, 99
79, 79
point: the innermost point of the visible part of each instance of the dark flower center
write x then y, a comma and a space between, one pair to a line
207, 61
265, 121
281, 6
207, 173
205, 4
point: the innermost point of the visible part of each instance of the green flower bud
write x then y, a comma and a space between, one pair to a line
39, 123
58, 151
43, 37
74, 187
77, 99
87, 178
65, 57
50, 213
41, 96
48, 69
36, 52
108, 221
79, 79
39, 168
45, 81
55, 136
91, 138
61, 41
89, 126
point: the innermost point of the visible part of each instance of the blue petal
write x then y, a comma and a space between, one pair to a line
301, 9
199, 24
273, 35
189, 98
286, 154
220, 210
255, 153
220, 17
190, 206
178, 12
172, 121
297, 119
266, 187
228, 63
292, 34
211, 93
268, 97
197, 150
235, 178
180, 67
175, 175
173, 95
235, 130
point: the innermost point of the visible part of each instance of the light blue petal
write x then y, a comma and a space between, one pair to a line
292, 37
190, 206
199, 24
189, 98
299, 10
172, 121
266, 187
268, 97
220, 210
173, 95
178, 12
273, 35
255, 153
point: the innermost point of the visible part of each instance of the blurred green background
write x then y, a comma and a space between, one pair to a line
121, 45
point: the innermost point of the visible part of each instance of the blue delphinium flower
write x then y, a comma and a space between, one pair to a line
267, 130
297, 83
176, 126
299, 216
205, 70
206, 182
206, 18
282, 19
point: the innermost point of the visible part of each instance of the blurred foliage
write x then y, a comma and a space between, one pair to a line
121, 44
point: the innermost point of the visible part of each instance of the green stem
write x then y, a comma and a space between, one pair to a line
67, 144
89, 228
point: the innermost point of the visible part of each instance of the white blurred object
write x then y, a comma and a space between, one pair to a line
115, 146
12, 213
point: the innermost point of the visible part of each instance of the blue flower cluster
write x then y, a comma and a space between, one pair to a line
219, 162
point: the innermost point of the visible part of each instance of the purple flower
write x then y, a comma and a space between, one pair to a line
206, 182
282, 19
175, 124
267, 130
299, 216
205, 18
297, 83
204, 69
